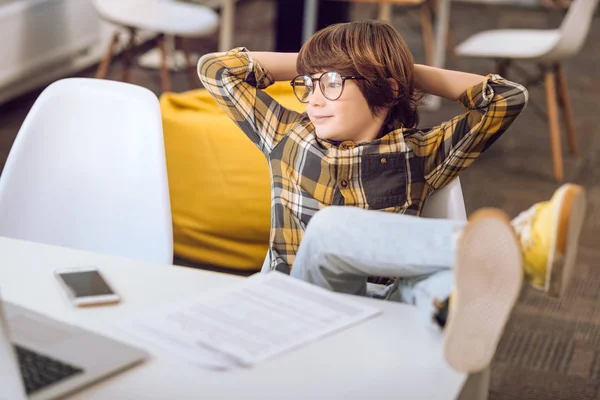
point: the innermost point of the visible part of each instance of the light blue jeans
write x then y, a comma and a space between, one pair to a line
342, 246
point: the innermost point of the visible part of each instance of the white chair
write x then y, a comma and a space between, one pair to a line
448, 202
426, 11
170, 18
548, 48
87, 171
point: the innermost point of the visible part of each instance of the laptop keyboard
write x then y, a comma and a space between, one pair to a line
39, 371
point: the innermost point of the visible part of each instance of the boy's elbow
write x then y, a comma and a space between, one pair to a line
519, 98
204, 64
524, 95
524, 98
209, 57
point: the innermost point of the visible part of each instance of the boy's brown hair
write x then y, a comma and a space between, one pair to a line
376, 51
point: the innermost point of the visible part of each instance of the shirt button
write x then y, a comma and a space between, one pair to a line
344, 183
348, 144
383, 160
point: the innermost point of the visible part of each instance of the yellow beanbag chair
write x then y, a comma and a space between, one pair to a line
218, 180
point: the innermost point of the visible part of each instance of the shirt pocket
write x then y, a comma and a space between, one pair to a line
384, 180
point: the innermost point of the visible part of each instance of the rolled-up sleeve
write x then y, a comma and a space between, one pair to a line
236, 81
446, 150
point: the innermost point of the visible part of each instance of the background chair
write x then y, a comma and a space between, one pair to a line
170, 18
548, 48
87, 171
426, 10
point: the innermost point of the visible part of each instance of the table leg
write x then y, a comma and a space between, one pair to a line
188, 64
385, 12
441, 39
226, 31
165, 44
309, 25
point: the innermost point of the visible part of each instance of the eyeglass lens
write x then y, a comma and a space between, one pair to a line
330, 84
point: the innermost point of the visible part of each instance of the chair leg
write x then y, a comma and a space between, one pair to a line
550, 79
165, 79
451, 46
566, 108
129, 55
450, 42
102, 70
502, 67
427, 32
385, 12
189, 66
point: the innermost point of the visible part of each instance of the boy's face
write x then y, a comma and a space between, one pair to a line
347, 118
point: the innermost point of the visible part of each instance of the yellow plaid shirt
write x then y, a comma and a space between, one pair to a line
395, 173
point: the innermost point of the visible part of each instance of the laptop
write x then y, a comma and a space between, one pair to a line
41, 358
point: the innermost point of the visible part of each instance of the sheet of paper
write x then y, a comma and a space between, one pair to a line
193, 352
250, 321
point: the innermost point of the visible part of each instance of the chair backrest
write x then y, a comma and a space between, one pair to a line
573, 30
447, 202
87, 170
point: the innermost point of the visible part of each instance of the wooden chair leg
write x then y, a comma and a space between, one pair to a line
189, 66
550, 80
129, 55
385, 12
165, 79
450, 48
427, 32
102, 70
566, 108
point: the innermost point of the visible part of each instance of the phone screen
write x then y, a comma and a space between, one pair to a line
86, 283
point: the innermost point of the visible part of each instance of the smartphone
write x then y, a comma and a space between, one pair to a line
85, 286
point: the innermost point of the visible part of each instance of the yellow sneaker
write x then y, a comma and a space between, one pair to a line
488, 276
549, 235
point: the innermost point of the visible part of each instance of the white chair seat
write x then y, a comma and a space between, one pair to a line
510, 44
166, 16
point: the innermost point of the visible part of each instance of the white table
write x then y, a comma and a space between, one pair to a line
391, 356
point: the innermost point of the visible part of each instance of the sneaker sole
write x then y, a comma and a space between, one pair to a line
488, 278
569, 216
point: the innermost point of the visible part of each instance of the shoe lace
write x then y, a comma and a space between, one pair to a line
522, 225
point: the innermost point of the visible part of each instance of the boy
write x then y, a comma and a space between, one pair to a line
358, 145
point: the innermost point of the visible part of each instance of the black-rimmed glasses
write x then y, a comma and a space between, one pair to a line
331, 84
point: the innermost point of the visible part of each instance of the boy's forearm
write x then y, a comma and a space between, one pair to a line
281, 66
444, 83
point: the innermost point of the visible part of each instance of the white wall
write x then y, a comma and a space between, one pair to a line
44, 40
